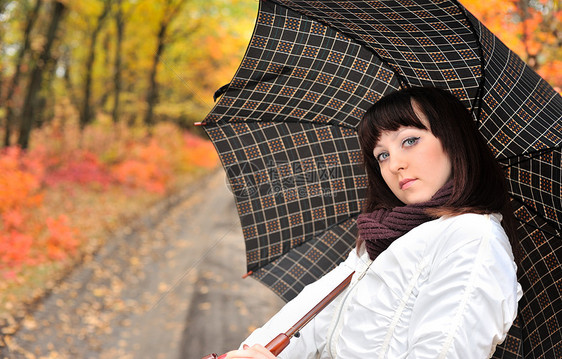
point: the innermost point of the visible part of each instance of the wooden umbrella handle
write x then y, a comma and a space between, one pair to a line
281, 341
318, 307
278, 343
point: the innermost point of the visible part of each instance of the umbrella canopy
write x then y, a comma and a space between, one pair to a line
285, 129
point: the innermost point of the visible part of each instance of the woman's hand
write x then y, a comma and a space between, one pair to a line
256, 352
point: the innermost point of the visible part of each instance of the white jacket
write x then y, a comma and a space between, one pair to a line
446, 289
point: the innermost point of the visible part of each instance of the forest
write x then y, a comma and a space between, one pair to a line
97, 104
98, 100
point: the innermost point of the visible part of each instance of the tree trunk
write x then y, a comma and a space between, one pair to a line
107, 90
152, 95
120, 24
2, 6
172, 9
37, 76
86, 112
1, 70
45, 110
65, 63
523, 8
16, 77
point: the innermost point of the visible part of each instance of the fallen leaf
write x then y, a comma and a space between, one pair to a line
204, 306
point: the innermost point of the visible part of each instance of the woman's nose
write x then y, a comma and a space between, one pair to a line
397, 162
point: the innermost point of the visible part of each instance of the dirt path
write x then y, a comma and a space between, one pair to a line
169, 288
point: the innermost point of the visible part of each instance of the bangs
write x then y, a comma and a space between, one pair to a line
388, 114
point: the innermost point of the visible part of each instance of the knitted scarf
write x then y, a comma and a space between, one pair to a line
381, 227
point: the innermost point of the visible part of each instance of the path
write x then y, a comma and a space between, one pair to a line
168, 288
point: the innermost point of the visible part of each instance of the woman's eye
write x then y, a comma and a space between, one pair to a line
410, 141
381, 156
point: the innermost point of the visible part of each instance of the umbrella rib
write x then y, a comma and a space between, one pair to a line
518, 103
351, 216
524, 157
476, 103
337, 124
480, 91
544, 230
402, 79
551, 223
313, 236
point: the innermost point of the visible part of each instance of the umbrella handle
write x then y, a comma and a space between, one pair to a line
278, 343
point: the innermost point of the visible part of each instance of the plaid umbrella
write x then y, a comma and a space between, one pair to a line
285, 129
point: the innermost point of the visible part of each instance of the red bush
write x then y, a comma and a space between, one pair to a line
29, 237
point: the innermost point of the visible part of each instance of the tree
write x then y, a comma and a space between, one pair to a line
120, 28
541, 35
86, 113
36, 76
531, 28
170, 11
539, 28
65, 62
122, 70
14, 83
2, 7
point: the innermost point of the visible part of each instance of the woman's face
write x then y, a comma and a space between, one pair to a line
412, 162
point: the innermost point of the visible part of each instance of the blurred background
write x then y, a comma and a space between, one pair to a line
98, 100
97, 104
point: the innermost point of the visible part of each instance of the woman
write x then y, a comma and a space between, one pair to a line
435, 275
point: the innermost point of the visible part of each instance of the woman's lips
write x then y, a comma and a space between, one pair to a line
404, 184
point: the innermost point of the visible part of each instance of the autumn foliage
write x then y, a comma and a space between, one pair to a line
532, 29
31, 235
20, 193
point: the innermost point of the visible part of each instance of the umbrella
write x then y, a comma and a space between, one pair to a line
284, 129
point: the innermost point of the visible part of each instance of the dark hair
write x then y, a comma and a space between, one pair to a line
478, 181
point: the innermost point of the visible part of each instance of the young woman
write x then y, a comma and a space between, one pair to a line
435, 275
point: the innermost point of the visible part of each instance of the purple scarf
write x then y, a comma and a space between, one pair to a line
381, 227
